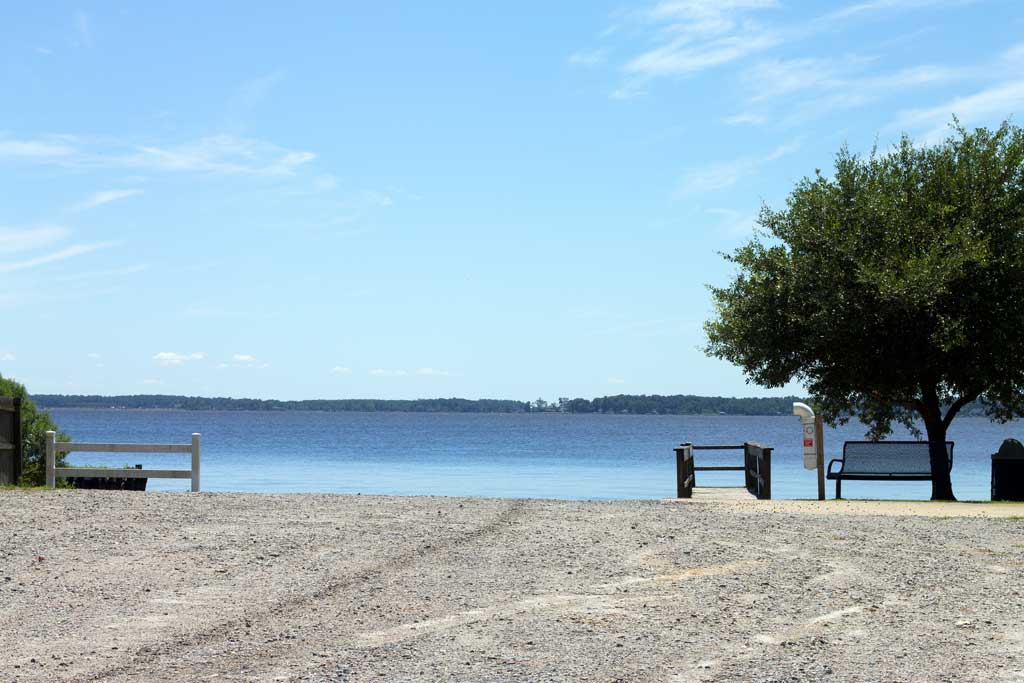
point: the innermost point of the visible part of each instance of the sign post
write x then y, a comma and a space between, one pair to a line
814, 447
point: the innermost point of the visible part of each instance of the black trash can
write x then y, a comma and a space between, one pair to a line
1008, 471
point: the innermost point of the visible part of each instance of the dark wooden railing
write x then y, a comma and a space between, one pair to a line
757, 468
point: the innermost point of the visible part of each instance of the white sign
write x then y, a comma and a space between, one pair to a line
810, 449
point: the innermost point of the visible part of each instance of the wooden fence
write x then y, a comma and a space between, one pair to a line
11, 442
756, 468
53, 447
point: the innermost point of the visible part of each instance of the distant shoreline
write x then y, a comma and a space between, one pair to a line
608, 405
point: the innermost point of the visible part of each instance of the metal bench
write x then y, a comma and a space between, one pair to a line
884, 461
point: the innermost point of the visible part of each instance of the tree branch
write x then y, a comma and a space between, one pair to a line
956, 406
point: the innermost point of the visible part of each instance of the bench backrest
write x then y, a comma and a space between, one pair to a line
890, 457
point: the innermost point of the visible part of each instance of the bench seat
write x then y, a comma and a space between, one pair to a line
884, 461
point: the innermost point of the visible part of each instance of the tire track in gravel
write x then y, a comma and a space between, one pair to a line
282, 610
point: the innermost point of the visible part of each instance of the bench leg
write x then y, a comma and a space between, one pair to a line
839, 489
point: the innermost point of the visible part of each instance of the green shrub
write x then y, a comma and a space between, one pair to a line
34, 425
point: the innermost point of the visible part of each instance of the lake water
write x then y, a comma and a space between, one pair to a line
460, 454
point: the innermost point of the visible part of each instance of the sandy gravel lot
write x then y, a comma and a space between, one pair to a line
115, 586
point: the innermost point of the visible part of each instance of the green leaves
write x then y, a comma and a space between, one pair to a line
895, 280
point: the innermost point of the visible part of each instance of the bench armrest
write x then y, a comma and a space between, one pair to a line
833, 461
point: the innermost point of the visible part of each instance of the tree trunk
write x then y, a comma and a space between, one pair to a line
942, 485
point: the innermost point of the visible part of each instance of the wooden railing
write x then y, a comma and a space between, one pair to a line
757, 468
757, 461
53, 447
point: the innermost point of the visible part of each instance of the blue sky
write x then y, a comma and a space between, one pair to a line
513, 200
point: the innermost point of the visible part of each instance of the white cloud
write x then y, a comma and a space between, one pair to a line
175, 358
223, 154
700, 34
724, 174
339, 370
682, 57
101, 274
616, 380
45, 51
380, 372
6, 357
217, 154
986, 106
745, 118
374, 198
107, 196
834, 84
84, 28
243, 358
13, 240
255, 90
93, 356
66, 253
589, 57
849, 12
35, 150
151, 382
733, 223
432, 372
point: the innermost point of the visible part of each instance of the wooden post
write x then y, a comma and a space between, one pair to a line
51, 459
766, 471
195, 463
819, 435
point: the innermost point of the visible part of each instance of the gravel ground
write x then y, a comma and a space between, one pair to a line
117, 586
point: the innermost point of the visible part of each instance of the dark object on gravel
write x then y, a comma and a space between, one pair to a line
110, 483
1008, 471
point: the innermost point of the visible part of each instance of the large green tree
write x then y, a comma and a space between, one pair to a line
892, 289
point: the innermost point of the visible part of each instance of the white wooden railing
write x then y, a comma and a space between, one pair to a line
53, 447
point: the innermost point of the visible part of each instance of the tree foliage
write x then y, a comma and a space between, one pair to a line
623, 404
892, 290
34, 425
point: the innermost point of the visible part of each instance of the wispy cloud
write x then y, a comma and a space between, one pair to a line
101, 274
6, 357
433, 372
66, 253
686, 37
83, 27
724, 174
381, 372
106, 197
223, 154
695, 35
40, 150
732, 222
214, 154
616, 380
13, 240
595, 57
991, 104
175, 358
340, 370
247, 360
865, 9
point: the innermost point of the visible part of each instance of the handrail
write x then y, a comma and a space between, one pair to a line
53, 472
756, 468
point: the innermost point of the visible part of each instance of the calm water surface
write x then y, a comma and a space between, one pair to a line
460, 454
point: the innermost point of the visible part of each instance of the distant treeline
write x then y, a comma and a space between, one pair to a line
622, 404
